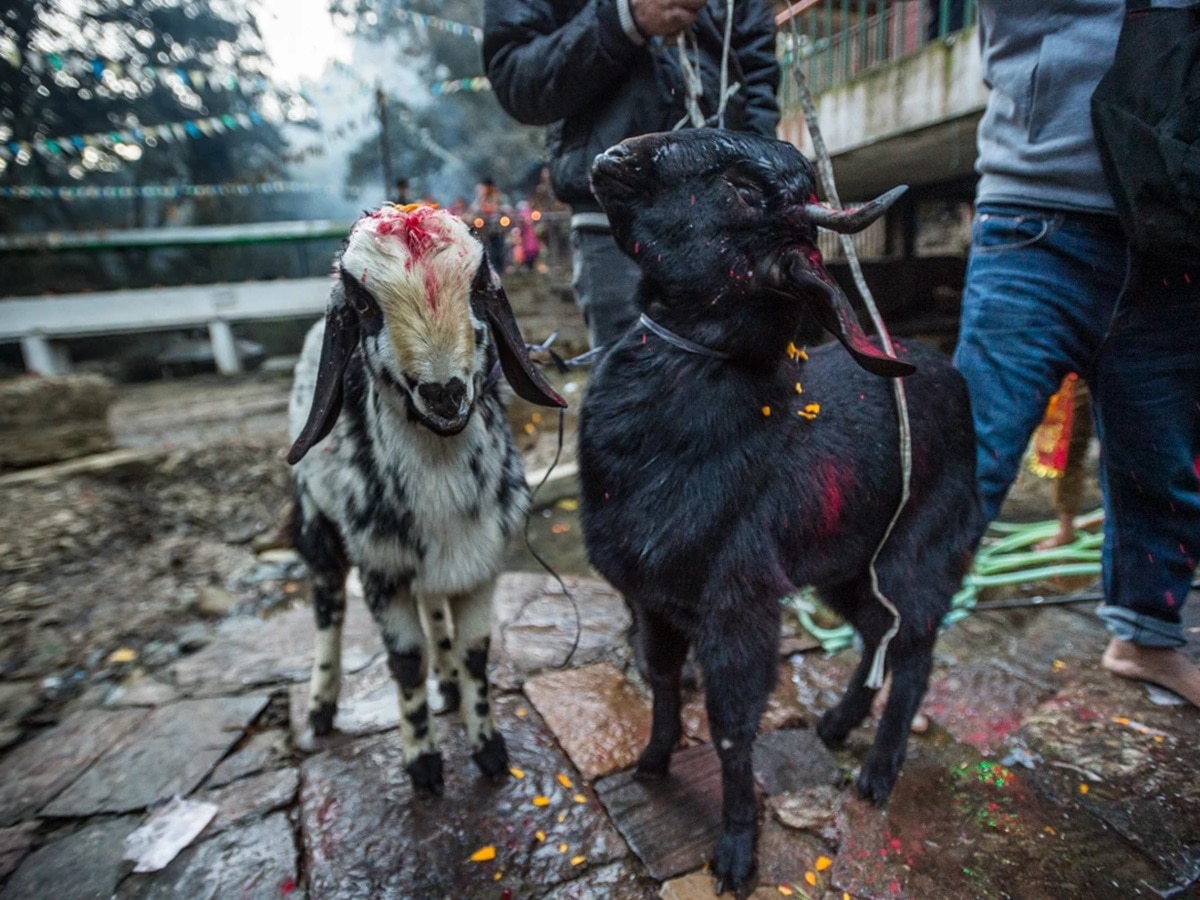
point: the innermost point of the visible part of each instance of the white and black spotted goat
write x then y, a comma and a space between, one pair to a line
405, 467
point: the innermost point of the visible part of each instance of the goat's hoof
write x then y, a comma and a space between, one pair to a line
831, 731
492, 757
875, 782
426, 773
734, 865
652, 765
320, 719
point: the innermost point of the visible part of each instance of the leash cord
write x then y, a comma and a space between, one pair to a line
825, 174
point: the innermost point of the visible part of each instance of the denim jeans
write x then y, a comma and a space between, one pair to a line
1051, 292
605, 283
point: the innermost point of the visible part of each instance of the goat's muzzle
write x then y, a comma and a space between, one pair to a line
446, 409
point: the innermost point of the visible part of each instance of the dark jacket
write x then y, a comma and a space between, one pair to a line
569, 65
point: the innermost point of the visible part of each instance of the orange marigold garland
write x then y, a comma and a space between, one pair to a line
1052, 437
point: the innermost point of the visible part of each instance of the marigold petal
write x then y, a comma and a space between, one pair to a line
539, 800
484, 854
516, 773
823, 863
579, 798
810, 878
564, 781
578, 860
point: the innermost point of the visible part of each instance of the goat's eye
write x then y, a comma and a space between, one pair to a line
748, 192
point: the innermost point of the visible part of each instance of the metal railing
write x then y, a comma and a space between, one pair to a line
836, 41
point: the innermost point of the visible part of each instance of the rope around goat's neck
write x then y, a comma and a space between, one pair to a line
825, 173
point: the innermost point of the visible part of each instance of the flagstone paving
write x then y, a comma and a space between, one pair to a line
1040, 776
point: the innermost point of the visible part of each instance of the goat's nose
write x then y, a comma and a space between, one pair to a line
444, 400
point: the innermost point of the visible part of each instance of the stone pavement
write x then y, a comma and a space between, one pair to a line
1040, 776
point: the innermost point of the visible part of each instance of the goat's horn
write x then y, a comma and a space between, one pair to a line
848, 221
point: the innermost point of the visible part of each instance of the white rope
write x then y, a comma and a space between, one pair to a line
694, 87
725, 92
825, 173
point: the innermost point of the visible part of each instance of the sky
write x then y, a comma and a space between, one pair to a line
300, 38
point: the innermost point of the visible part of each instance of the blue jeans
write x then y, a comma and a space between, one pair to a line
1051, 292
605, 283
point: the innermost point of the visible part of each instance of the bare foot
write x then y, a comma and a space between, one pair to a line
1061, 539
1065, 535
1164, 666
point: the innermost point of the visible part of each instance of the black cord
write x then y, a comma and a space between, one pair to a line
542, 562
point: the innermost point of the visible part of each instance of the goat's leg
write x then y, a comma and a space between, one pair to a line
856, 602
317, 541
740, 670
663, 648
472, 614
854, 706
395, 610
910, 678
437, 623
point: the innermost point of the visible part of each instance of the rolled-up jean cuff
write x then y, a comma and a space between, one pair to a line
1143, 630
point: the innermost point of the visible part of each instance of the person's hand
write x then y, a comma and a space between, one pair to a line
664, 17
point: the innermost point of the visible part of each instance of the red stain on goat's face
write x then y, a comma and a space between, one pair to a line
412, 226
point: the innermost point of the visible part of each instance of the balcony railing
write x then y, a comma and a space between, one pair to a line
836, 41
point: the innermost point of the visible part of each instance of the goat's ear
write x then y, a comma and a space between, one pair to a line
490, 303
341, 337
836, 316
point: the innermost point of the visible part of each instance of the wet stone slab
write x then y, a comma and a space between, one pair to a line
1042, 646
599, 718
35, 772
1104, 749
793, 761
622, 880
961, 826
82, 865
169, 753
256, 861
365, 834
698, 886
249, 797
259, 752
672, 824
367, 704
15, 844
536, 624
980, 704
247, 652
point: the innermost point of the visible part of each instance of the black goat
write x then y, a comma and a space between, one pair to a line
406, 467
722, 467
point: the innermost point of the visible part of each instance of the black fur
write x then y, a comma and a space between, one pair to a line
707, 497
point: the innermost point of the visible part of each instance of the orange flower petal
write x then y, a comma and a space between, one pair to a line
484, 854
539, 800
